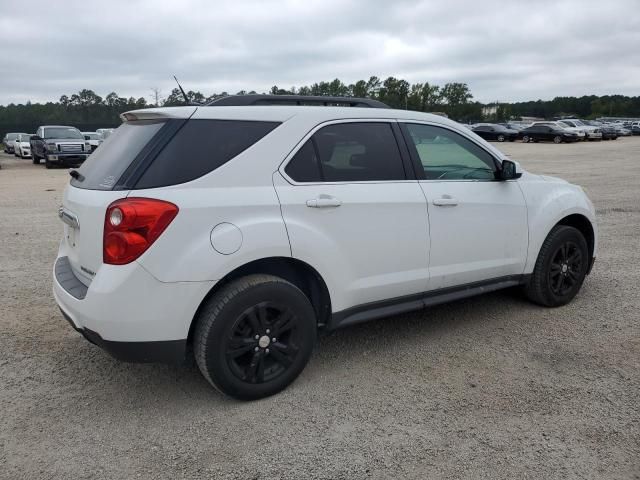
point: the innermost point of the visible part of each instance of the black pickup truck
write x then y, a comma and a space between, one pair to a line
59, 145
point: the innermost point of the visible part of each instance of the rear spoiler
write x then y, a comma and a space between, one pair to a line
158, 113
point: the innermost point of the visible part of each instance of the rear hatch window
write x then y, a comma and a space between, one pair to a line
105, 166
149, 154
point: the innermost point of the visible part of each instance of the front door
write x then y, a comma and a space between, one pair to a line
478, 225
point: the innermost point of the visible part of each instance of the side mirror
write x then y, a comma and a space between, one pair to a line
510, 170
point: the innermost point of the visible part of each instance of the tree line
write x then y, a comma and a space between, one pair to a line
88, 110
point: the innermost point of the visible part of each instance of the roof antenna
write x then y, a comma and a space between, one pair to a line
186, 99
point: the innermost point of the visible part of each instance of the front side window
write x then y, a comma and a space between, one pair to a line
447, 155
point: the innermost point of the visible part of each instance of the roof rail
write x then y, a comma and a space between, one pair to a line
246, 100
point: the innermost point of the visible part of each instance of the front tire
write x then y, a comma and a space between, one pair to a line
501, 138
560, 269
35, 159
47, 164
254, 336
557, 139
525, 139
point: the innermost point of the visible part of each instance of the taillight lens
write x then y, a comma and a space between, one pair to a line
131, 225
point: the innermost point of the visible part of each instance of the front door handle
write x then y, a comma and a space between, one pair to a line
324, 202
445, 201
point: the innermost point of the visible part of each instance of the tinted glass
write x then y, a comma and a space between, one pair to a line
200, 147
104, 167
356, 152
304, 167
447, 155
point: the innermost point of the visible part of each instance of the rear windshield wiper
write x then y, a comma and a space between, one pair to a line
77, 175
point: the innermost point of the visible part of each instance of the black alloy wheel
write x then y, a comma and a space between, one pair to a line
560, 269
254, 336
566, 266
263, 343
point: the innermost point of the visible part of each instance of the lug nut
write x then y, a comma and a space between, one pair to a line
267, 350
257, 337
273, 339
268, 331
256, 349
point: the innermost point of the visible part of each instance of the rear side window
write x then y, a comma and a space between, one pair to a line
349, 152
106, 165
200, 147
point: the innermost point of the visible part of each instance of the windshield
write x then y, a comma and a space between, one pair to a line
63, 133
12, 136
92, 136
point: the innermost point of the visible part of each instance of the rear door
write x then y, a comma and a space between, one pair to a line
354, 212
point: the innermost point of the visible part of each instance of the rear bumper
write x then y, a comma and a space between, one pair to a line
127, 312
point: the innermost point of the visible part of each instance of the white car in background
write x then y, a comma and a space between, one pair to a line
582, 135
93, 138
591, 132
21, 145
104, 132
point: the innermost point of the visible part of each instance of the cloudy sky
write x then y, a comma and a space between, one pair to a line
505, 50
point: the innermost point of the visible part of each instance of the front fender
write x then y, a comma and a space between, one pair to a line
548, 202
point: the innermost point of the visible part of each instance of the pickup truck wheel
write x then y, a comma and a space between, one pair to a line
254, 336
47, 164
560, 268
35, 159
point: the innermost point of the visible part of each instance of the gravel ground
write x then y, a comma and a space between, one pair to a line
490, 387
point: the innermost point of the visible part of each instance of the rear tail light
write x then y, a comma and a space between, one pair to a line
131, 225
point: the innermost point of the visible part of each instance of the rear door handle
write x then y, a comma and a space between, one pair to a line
445, 201
324, 202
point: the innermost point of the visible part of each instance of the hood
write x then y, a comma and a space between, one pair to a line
548, 178
64, 140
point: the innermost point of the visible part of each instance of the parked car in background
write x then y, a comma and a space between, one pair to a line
219, 246
21, 145
93, 138
580, 133
104, 132
591, 132
514, 126
493, 131
608, 131
621, 130
7, 142
635, 129
547, 133
59, 145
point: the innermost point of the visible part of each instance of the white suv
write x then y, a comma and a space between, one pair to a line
237, 232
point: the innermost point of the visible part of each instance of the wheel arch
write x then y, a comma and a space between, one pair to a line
584, 225
299, 273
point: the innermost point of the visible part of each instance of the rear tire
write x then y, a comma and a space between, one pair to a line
225, 346
501, 138
560, 269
